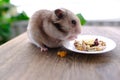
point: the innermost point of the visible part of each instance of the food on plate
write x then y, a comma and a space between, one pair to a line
90, 45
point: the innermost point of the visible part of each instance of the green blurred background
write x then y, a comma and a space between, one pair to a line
8, 16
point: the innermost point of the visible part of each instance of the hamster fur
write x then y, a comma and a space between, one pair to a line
51, 28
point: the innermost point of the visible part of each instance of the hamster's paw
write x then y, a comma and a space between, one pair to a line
43, 49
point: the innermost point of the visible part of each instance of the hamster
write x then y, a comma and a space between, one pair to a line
49, 29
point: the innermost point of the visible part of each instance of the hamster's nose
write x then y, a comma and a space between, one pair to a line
78, 31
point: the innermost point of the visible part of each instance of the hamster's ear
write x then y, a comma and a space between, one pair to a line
59, 13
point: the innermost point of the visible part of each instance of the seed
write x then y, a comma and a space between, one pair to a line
96, 43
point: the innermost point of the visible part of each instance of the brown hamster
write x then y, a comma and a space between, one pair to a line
51, 28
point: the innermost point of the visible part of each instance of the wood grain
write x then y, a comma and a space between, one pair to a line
20, 60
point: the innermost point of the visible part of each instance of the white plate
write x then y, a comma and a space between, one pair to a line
110, 44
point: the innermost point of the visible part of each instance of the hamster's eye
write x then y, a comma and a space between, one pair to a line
73, 22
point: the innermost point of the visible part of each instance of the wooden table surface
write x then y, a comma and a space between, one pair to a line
20, 60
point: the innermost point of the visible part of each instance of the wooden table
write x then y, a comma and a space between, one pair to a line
20, 60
